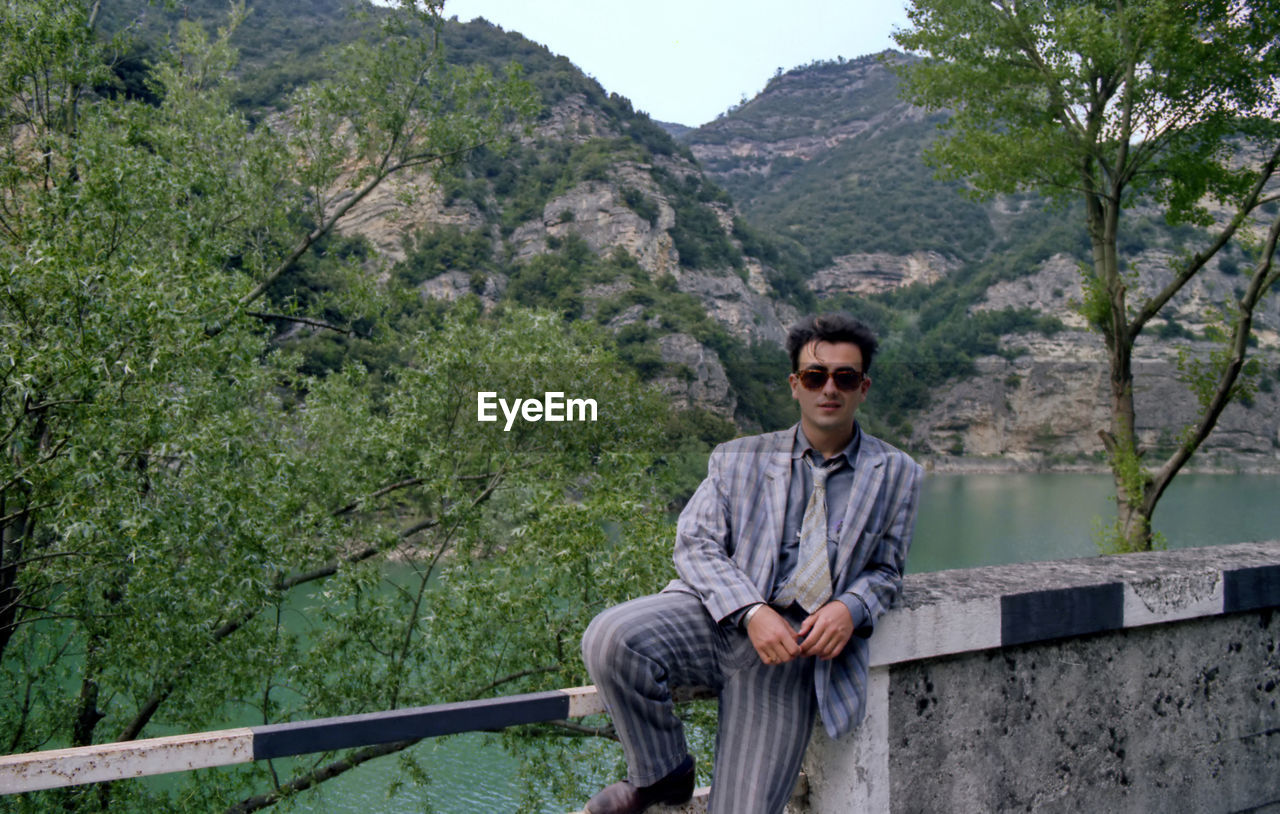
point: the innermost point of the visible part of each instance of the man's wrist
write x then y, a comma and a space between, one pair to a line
857, 612
751, 611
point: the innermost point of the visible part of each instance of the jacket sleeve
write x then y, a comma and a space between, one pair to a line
880, 583
704, 536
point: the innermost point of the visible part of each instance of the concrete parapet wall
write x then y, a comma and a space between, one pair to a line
1140, 683
1144, 682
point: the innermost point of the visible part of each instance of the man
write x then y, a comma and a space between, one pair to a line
787, 554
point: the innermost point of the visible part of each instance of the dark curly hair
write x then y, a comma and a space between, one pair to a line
831, 328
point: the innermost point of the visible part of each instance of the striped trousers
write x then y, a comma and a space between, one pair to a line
637, 652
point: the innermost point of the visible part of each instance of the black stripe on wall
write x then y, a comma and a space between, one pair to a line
1251, 588
280, 740
1041, 615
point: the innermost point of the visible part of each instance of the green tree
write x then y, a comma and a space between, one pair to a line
1118, 105
174, 488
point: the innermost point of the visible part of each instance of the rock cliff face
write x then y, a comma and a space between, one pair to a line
877, 272
399, 207
705, 385
828, 154
597, 211
1046, 405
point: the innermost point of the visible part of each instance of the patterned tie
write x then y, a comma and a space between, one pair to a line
810, 585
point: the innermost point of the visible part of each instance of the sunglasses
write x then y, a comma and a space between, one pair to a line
815, 378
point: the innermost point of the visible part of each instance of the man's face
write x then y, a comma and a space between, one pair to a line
828, 409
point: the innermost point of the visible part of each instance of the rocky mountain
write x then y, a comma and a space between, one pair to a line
1045, 401
697, 252
599, 213
828, 155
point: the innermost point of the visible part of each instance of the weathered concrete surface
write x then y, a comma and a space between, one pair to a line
1169, 703
1152, 719
852, 774
1166, 699
1147, 568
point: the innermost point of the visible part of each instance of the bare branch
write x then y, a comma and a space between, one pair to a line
315, 323
384, 171
43, 459
492, 685
494, 482
355, 504
319, 775
53, 617
23, 511
1196, 263
41, 557
382, 174
30, 408
1259, 283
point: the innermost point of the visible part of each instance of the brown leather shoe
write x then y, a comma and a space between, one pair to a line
624, 798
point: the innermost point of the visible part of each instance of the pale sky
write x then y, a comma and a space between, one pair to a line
686, 61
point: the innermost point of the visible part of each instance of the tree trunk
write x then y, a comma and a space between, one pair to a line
11, 536
1132, 531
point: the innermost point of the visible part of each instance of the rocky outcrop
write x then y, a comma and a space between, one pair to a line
1046, 406
1043, 406
801, 115
1055, 288
413, 200
574, 120
731, 301
877, 272
401, 205
595, 211
453, 285
703, 383
793, 156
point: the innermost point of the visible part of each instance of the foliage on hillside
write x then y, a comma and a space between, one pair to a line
508, 187
871, 192
202, 487
279, 48
556, 78
889, 202
790, 102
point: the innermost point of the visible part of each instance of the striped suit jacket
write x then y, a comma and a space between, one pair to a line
729, 534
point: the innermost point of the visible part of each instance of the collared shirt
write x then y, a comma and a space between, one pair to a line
839, 485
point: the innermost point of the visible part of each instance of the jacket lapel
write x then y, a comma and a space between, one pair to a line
868, 473
777, 481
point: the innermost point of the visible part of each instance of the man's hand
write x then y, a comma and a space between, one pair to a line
772, 637
826, 631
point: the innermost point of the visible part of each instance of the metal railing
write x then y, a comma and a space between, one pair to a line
56, 768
